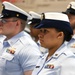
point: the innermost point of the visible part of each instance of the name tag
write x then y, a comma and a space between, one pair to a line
37, 66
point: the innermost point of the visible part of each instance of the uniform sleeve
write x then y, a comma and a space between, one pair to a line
68, 66
28, 57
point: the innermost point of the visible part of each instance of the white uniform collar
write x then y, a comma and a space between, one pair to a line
73, 36
59, 50
2, 38
63, 50
15, 38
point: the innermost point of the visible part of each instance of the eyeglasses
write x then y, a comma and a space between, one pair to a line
5, 21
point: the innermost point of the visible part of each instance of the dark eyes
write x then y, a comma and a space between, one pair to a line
44, 31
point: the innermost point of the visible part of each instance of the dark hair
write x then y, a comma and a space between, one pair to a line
67, 35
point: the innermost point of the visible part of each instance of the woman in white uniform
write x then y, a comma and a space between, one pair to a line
55, 30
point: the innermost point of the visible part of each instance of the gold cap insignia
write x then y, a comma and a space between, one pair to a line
17, 15
69, 6
3, 6
42, 16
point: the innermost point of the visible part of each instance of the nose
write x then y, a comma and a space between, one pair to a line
41, 35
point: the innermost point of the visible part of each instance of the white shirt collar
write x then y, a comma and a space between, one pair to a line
73, 36
15, 38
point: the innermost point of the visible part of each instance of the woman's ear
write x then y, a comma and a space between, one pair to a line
60, 35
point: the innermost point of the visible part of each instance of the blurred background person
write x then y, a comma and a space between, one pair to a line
35, 21
70, 12
27, 29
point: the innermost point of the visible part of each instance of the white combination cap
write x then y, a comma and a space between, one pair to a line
34, 15
55, 16
36, 18
70, 8
10, 10
55, 20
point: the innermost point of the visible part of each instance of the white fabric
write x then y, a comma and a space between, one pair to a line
63, 61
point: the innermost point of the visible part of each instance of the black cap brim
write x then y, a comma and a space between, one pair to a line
62, 25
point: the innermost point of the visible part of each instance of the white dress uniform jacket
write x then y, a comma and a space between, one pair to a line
2, 37
20, 54
62, 62
71, 44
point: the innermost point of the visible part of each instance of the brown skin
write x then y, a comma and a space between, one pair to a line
51, 39
28, 72
0, 27
72, 21
34, 32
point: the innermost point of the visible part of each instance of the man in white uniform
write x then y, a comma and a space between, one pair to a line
20, 53
36, 19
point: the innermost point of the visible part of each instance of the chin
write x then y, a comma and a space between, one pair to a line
43, 45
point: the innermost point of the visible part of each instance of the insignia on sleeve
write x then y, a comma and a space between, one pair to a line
69, 6
3, 6
42, 16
